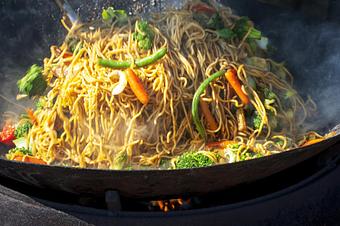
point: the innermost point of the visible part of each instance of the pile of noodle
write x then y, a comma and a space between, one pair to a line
84, 125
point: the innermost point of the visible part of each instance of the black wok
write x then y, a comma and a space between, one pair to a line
25, 44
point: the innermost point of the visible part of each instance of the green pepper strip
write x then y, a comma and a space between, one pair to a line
196, 100
139, 62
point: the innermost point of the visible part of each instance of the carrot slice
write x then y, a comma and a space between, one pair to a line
311, 142
220, 144
137, 86
30, 114
235, 83
29, 159
212, 124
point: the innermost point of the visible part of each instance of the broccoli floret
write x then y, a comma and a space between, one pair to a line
268, 94
193, 160
144, 36
226, 34
33, 83
110, 14
257, 120
22, 129
242, 27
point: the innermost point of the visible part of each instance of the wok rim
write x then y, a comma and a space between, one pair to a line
335, 139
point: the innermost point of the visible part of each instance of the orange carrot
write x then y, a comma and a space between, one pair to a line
311, 142
235, 83
212, 124
30, 114
137, 86
29, 159
220, 144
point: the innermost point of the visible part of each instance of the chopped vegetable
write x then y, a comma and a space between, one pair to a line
7, 135
311, 142
31, 116
226, 34
269, 94
41, 103
33, 83
21, 142
137, 86
233, 80
243, 26
29, 159
258, 62
110, 15
220, 144
263, 43
215, 22
257, 120
196, 102
119, 88
139, 62
22, 129
18, 151
241, 120
212, 124
193, 160
144, 35
289, 94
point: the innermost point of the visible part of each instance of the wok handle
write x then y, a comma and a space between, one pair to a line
67, 10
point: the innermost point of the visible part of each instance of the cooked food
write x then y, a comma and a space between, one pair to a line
179, 89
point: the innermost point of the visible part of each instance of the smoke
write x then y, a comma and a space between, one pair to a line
307, 45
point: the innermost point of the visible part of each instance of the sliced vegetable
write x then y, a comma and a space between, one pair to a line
212, 124
314, 141
31, 116
144, 35
190, 160
263, 43
137, 86
215, 22
233, 80
243, 26
139, 62
29, 159
220, 144
20, 150
21, 143
196, 102
241, 120
257, 120
22, 129
7, 135
33, 83
119, 88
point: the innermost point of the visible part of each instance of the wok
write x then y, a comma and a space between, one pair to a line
134, 184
